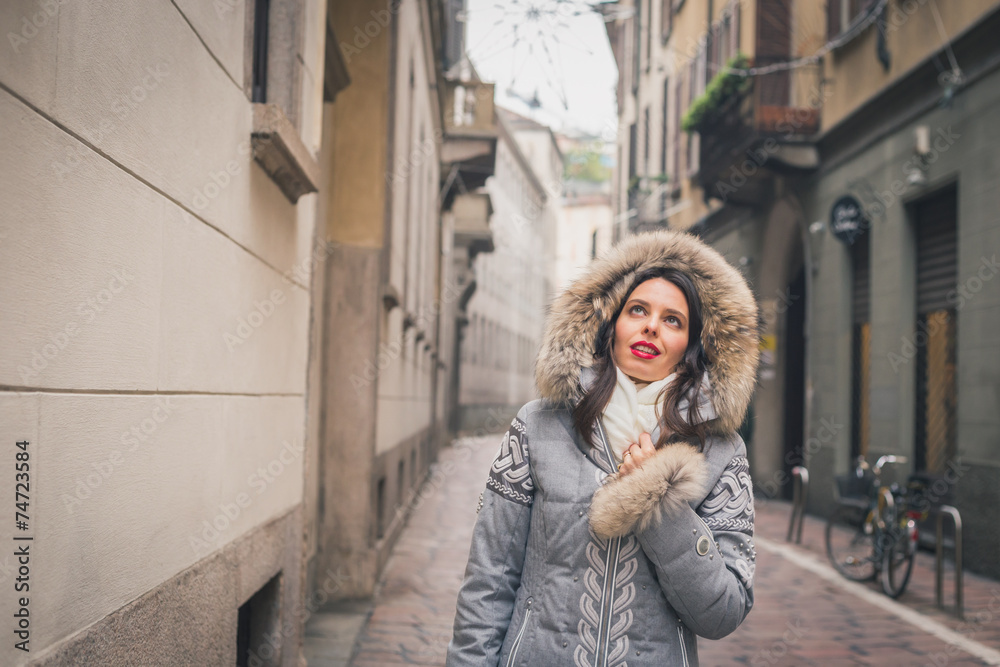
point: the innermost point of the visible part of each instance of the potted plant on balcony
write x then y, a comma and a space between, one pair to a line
729, 84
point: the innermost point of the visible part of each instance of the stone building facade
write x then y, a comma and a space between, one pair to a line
157, 242
236, 252
849, 178
514, 282
403, 144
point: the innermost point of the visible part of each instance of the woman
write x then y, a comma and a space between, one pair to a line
617, 521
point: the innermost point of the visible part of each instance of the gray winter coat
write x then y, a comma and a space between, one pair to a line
572, 564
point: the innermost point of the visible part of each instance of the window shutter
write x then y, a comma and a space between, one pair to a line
774, 45
833, 26
937, 265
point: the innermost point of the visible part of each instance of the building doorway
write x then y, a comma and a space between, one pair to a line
935, 336
795, 377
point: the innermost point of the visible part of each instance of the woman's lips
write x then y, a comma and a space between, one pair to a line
641, 353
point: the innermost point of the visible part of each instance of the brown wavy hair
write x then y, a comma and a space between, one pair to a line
690, 371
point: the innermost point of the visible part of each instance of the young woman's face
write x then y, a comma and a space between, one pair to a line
651, 333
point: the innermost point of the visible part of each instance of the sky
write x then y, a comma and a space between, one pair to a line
556, 48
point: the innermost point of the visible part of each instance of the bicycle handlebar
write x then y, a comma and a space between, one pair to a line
887, 458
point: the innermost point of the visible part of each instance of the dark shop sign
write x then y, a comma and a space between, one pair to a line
847, 219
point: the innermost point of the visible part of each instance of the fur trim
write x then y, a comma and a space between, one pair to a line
673, 477
729, 314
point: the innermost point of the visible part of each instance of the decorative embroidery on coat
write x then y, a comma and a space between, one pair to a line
607, 601
730, 504
729, 509
510, 474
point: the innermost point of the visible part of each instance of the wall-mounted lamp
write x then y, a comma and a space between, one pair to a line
922, 133
916, 169
817, 232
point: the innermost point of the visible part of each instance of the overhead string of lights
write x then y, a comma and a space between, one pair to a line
948, 79
539, 27
861, 24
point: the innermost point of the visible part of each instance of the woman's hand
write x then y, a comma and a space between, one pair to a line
637, 454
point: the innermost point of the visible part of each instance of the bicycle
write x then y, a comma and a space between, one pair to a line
873, 529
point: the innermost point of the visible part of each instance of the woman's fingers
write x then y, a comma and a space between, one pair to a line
637, 454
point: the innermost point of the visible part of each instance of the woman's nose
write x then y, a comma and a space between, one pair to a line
651, 327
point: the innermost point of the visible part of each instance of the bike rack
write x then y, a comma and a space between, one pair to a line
800, 490
956, 519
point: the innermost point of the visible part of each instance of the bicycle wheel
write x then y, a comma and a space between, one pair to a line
898, 557
850, 545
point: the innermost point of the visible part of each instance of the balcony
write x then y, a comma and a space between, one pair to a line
468, 149
764, 129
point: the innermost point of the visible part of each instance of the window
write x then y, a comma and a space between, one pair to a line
861, 344
273, 84
840, 14
645, 141
260, 34
636, 50
664, 133
649, 32
666, 19
380, 508
257, 619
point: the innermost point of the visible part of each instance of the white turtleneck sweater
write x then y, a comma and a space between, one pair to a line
632, 411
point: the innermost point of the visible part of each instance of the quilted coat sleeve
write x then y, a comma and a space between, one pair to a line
499, 540
705, 559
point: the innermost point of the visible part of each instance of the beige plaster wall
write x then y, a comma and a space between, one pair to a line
853, 74
360, 117
155, 301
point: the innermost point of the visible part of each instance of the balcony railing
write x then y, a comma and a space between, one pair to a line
751, 134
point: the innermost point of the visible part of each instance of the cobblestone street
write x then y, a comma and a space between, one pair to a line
805, 613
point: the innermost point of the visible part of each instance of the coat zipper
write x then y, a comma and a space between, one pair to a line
680, 636
611, 570
517, 639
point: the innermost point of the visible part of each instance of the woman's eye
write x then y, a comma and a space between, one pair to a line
638, 310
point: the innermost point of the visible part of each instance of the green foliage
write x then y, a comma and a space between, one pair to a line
586, 164
636, 181
723, 86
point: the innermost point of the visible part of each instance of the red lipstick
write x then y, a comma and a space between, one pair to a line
641, 350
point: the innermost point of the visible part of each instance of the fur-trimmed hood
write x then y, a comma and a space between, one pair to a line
729, 315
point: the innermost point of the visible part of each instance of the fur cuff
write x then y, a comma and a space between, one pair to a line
674, 476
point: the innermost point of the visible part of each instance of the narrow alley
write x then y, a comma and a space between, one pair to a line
804, 612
